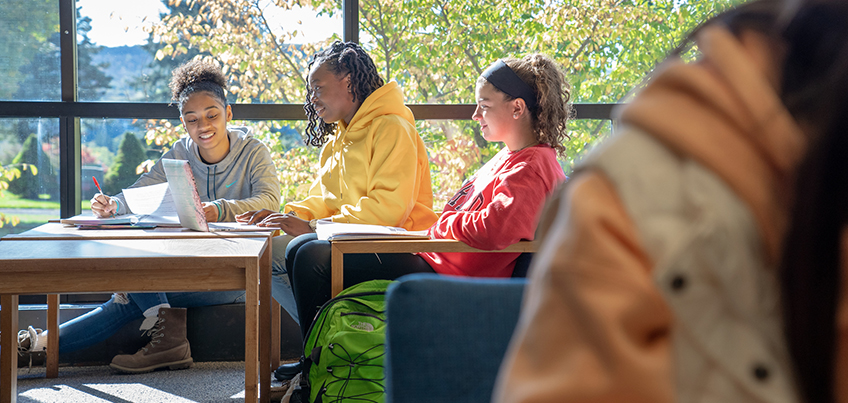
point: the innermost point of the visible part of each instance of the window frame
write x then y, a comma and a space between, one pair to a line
69, 110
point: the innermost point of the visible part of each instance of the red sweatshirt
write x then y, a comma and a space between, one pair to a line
497, 207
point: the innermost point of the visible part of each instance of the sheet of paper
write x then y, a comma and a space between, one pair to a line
89, 219
154, 203
234, 226
328, 229
151, 200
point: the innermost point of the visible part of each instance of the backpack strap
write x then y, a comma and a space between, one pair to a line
305, 365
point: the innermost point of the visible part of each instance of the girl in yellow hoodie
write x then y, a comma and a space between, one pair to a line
373, 164
658, 276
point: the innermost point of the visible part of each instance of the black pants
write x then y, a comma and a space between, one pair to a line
309, 269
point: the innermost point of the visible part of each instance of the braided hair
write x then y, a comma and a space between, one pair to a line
340, 58
197, 76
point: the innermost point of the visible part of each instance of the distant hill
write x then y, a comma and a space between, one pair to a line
126, 63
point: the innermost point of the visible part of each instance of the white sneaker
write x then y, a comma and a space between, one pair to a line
30, 340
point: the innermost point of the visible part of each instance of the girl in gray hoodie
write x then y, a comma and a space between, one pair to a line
234, 173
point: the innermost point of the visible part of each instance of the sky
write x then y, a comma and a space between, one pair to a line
118, 23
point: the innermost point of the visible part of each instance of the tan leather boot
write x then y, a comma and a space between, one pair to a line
168, 346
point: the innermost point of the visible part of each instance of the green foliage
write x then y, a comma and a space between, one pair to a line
36, 173
124, 171
7, 174
436, 49
27, 25
39, 71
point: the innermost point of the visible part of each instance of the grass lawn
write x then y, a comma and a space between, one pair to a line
10, 201
31, 213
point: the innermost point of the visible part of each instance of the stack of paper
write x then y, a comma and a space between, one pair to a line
151, 206
170, 204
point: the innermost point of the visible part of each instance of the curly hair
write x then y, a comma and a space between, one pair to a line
340, 58
553, 96
197, 75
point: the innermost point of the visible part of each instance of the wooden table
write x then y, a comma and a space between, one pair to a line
53, 259
339, 248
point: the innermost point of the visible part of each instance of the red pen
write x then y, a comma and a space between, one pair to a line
99, 189
98, 185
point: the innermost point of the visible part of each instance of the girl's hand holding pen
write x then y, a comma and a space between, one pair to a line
103, 206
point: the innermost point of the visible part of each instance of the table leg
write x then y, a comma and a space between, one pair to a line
266, 333
336, 270
8, 348
251, 333
52, 335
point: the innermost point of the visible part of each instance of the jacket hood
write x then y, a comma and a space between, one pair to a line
386, 100
723, 112
238, 136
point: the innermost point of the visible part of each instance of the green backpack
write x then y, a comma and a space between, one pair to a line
344, 347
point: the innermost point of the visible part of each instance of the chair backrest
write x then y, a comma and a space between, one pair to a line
522, 265
446, 336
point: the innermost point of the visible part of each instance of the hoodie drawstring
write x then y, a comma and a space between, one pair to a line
209, 188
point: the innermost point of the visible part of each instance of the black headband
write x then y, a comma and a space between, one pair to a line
504, 79
206, 86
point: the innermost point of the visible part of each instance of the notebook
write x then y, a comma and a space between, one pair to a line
335, 231
151, 206
171, 204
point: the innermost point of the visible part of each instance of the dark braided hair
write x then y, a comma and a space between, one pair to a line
340, 58
197, 76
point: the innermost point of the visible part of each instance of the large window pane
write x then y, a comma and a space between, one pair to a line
127, 50
112, 151
437, 49
29, 50
108, 142
29, 173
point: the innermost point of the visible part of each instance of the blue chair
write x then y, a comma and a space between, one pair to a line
447, 336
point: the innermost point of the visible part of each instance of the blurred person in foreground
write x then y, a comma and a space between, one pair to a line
658, 276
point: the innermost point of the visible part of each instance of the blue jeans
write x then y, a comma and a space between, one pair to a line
281, 288
147, 300
102, 322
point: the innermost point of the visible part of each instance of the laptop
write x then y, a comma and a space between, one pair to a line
183, 189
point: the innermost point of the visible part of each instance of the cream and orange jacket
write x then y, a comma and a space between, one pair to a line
374, 170
657, 279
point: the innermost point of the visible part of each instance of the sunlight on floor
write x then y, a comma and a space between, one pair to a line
59, 394
132, 392
136, 392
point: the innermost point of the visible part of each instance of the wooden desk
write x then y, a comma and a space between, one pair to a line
191, 262
269, 356
339, 248
57, 231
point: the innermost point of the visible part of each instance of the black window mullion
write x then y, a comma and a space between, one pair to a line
70, 171
350, 18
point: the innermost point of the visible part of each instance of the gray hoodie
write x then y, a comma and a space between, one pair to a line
244, 180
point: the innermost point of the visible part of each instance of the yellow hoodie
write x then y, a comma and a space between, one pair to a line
373, 170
